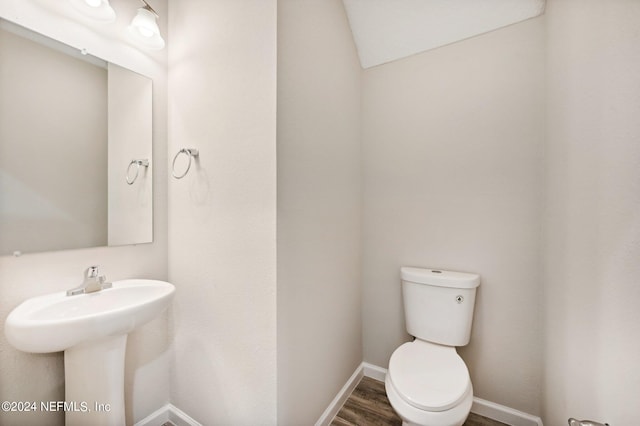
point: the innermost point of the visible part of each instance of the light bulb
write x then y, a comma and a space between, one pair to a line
100, 10
145, 32
144, 29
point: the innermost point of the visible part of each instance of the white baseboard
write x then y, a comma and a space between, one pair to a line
504, 414
168, 413
335, 405
480, 406
374, 371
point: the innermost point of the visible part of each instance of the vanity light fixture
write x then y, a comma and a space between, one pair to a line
144, 28
100, 10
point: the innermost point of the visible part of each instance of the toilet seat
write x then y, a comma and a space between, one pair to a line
429, 376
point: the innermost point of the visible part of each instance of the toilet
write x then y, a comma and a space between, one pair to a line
427, 383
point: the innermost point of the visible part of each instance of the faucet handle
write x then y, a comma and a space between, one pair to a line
92, 271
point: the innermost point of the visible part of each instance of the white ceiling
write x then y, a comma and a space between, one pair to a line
385, 30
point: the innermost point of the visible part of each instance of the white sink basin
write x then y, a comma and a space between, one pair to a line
57, 322
92, 331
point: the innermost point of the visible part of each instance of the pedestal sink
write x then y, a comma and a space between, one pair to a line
92, 331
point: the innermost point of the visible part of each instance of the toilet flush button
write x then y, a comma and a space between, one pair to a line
459, 298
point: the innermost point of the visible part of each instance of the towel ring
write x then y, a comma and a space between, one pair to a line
138, 163
190, 152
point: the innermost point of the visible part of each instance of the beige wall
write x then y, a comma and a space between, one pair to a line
222, 215
53, 147
33, 377
452, 142
592, 245
319, 208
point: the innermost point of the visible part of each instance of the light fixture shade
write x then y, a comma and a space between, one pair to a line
100, 10
144, 29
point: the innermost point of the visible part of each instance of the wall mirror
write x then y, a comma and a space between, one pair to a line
75, 148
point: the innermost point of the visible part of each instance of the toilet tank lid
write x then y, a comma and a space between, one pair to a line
439, 277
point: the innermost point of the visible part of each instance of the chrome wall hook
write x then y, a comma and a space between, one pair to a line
138, 163
190, 152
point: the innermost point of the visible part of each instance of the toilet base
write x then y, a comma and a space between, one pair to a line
412, 416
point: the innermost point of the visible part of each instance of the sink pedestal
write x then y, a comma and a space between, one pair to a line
94, 382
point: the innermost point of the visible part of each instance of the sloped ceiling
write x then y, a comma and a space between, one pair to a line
386, 30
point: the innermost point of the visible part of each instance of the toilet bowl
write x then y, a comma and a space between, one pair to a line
427, 382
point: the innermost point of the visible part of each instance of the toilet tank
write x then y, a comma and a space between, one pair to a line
438, 305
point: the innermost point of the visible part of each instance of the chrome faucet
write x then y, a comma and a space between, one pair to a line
93, 282
575, 422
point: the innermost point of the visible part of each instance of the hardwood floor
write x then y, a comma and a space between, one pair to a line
368, 406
